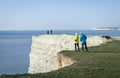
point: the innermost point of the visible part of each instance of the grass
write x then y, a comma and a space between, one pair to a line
100, 62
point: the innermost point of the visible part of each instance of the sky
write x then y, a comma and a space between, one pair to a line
58, 14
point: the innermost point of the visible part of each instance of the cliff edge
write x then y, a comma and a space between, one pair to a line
45, 57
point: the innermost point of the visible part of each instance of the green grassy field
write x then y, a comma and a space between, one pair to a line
100, 62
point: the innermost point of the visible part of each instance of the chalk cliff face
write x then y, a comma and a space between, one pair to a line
44, 55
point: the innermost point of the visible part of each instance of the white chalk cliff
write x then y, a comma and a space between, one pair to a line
44, 55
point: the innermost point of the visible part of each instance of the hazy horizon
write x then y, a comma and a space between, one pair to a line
58, 15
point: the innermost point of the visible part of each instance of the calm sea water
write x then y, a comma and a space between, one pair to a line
15, 47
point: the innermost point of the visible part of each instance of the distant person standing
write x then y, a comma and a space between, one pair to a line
76, 41
83, 39
47, 31
51, 31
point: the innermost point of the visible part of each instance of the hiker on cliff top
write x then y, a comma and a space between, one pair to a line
83, 39
49, 31
76, 41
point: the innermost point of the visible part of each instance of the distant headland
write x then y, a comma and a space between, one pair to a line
107, 28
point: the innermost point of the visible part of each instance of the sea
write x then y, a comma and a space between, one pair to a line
15, 47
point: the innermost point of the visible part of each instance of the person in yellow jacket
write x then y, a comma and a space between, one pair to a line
76, 41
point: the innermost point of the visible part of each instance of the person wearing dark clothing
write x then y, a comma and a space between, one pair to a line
83, 39
47, 31
50, 31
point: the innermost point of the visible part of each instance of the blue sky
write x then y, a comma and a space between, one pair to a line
58, 14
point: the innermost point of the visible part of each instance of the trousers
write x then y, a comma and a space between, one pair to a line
77, 46
84, 46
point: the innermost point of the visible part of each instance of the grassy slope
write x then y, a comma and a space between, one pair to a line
100, 62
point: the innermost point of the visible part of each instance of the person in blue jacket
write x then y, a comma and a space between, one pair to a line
83, 39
